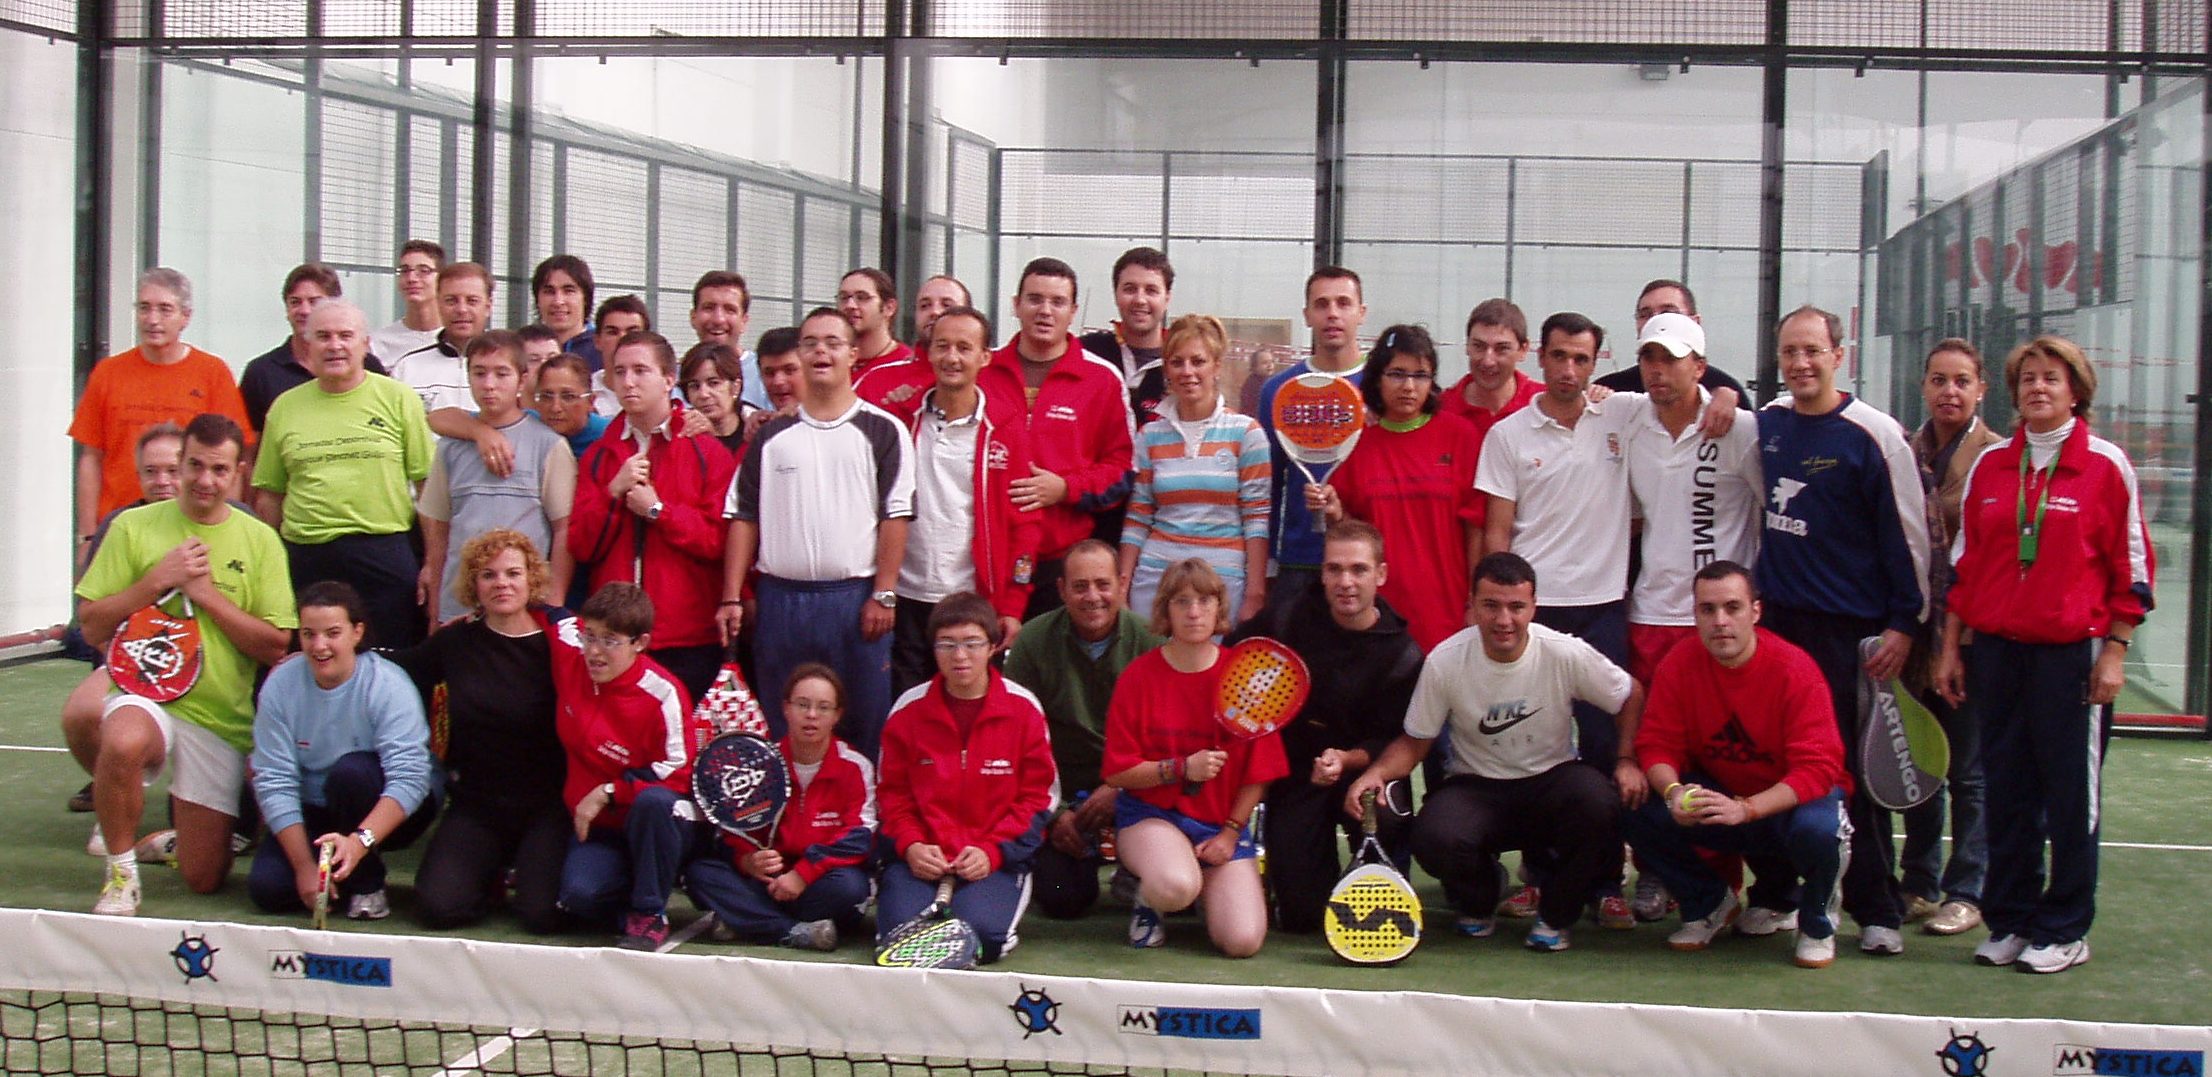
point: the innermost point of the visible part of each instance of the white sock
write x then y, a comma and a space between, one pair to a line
127, 860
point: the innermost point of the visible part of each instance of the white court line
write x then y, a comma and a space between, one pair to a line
492, 1048
2156, 845
29, 748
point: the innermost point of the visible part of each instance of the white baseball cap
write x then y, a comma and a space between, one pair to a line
1678, 333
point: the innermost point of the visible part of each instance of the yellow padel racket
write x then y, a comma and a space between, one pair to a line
1373, 916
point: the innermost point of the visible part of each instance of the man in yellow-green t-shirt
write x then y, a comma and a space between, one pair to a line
231, 568
339, 457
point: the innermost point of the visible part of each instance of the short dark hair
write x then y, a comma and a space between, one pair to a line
1353, 529
501, 342
563, 263
723, 358
965, 608
1500, 312
1723, 569
885, 290
316, 273
435, 251
1689, 298
825, 312
1047, 267
1335, 273
664, 353
1505, 569
571, 362
782, 340
456, 270
1573, 324
335, 594
1955, 344
979, 317
627, 304
1828, 321
536, 332
724, 278
1407, 340
623, 607
967, 298
210, 429
816, 671
1151, 258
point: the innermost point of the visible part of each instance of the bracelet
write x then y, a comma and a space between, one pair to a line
1237, 825
2129, 642
731, 602
1750, 814
1668, 792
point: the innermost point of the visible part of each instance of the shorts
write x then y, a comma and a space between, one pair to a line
1647, 644
207, 770
1129, 809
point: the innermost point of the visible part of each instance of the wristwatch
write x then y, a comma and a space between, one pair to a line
368, 838
887, 599
653, 513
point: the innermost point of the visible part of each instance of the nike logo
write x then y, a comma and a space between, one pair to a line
1504, 716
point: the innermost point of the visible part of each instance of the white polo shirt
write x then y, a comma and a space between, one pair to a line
818, 489
1701, 502
1570, 495
940, 546
1511, 719
437, 375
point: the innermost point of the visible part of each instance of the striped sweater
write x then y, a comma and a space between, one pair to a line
1201, 491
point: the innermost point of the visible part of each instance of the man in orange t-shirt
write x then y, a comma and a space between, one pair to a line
163, 379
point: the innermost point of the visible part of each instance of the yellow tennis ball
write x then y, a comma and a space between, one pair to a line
1689, 793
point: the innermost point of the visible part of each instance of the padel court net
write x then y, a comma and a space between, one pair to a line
86, 994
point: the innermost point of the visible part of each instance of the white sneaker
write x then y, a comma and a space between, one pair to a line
1760, 922
1146, 929
1814, 953
1881, 941
2055, 957
2000, 950
1652, 900
119, 897
373, 905
159, 847
96, 845
817, 935
1699, 934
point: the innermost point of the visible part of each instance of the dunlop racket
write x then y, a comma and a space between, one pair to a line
741, 784
1373, 916
156, 654
728, 705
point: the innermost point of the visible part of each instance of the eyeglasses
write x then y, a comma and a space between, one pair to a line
594, 642
1795, 352
1191, 602
545, 397
957, 646
829, 344
1409, 375
822, 706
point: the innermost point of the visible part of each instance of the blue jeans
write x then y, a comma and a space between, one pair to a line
1926, 872
819, 621
349, 794
742, 902
992, 905
1813, 837
630, 869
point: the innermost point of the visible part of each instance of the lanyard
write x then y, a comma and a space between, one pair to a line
2031, 532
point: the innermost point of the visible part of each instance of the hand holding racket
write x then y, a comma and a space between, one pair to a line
933, 939
728, 705
157, 654
322, 885
1903, 752
1263, 685
1373, 917
1318, 417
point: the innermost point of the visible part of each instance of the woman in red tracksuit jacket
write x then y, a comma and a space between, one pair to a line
2054, 576
967, 784
808, 884
628, 731
1160, 735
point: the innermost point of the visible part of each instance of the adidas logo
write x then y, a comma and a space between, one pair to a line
1732, 744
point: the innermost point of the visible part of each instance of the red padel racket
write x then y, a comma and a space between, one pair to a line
1263, 685
729, 706
156, 654
1318, 418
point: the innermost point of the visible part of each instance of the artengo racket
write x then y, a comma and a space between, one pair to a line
1318, 418
1373, 916
741, 784
933, 939
1263, 685
322, 886
1903, 753
156, 654
728, 705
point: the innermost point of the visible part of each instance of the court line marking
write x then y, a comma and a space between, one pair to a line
492, 1048
30, 748
2156, 845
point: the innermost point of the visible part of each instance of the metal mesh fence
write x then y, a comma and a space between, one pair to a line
59, 16
1709, 22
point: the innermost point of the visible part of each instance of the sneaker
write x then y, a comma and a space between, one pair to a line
1881, 941
96, 845
1760, 922
241, 843
1953, 918
1814, 953
159, 847
374, 905
644, 931
722, 932
81, 800
812, 935
1998, 951
1614, 913
1918, 908
1146, 929
2055, 957
1522, 905
1475, 927
1699, 934
119, 896
1546, 939
1652, 903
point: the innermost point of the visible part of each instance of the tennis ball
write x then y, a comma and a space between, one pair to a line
1686, 802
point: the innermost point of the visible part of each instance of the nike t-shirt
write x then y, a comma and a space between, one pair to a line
1511, 719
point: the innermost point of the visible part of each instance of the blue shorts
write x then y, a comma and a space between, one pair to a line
1129, 809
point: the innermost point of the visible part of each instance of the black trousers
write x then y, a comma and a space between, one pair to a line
463, 869
382, 568
1302, 824
1566, 815
912, 659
